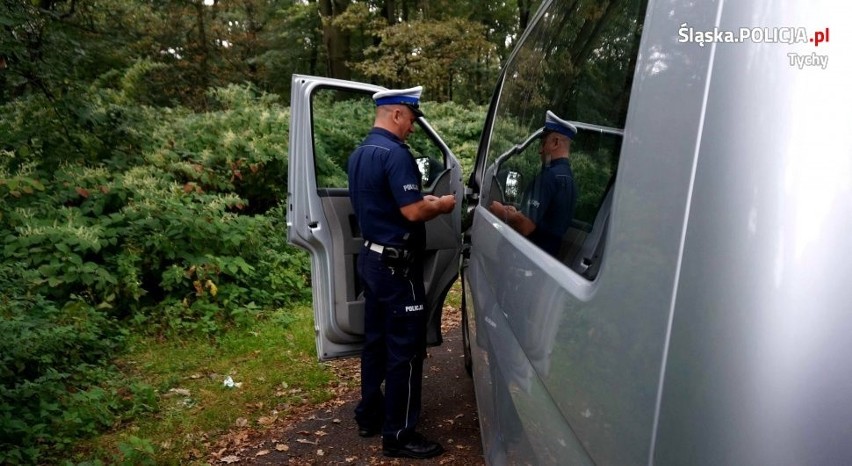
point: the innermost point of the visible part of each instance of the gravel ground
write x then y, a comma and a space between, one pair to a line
328, 434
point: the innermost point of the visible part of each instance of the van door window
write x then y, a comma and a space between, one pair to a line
341, 120
577, 63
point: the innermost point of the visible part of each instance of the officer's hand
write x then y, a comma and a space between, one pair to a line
450, 201
505, 212
497, 209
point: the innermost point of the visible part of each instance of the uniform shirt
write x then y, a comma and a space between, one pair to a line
549, 202
383, 177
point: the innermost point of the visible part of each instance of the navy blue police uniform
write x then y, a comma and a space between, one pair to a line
549, 202
383, 177
550, 199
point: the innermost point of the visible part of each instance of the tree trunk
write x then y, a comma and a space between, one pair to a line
203, 46
389, 12
524, 7
335, 39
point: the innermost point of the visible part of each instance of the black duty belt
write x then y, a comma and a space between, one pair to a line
389, 252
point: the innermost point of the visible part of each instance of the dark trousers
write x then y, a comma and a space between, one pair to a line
395, 332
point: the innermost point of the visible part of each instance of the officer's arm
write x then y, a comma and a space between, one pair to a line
513, 217
428, 208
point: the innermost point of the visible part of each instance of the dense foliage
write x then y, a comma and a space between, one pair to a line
131, 218
123, 217
143, 161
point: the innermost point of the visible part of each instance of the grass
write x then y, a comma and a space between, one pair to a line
274, 363
273, 366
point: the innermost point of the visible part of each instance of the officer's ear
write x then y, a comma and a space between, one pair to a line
398, 114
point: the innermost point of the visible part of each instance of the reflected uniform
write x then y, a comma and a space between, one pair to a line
549, 202
383, 177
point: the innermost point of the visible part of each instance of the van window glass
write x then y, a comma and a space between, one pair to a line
341, 120
577, 63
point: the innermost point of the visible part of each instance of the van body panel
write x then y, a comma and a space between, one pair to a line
758, 369
513, 341
597, 348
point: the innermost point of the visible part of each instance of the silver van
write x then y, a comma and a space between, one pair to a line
700, 308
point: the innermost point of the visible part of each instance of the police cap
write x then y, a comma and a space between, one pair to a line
409, 97
554, 123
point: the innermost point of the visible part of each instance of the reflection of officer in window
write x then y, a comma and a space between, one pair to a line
384, 186
547, 205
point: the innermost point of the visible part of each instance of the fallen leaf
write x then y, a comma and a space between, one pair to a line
320, 433
351, 459
282, 447
320, 453
231, 459
336, 421
302, 440
267, 420
262, 453
180, 391
241, 422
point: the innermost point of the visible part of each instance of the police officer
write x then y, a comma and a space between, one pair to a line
384, 186
548, 203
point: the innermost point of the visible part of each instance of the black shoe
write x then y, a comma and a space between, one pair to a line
416, 446
368, 431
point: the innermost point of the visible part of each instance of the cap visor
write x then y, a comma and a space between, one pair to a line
417, 112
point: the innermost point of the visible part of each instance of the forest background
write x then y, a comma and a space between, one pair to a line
143, 172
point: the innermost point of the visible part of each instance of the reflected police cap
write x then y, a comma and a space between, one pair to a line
554, 123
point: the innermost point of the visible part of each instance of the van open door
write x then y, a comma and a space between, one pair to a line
328, 118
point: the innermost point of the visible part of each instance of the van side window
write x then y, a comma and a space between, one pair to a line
577, 63
341, 120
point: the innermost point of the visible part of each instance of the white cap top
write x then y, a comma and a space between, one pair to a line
554, 123
410, 97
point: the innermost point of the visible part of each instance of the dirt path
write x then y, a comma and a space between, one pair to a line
328, 435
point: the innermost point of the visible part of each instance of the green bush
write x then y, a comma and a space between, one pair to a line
174, 239
118, 217
238, 147
54, 384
